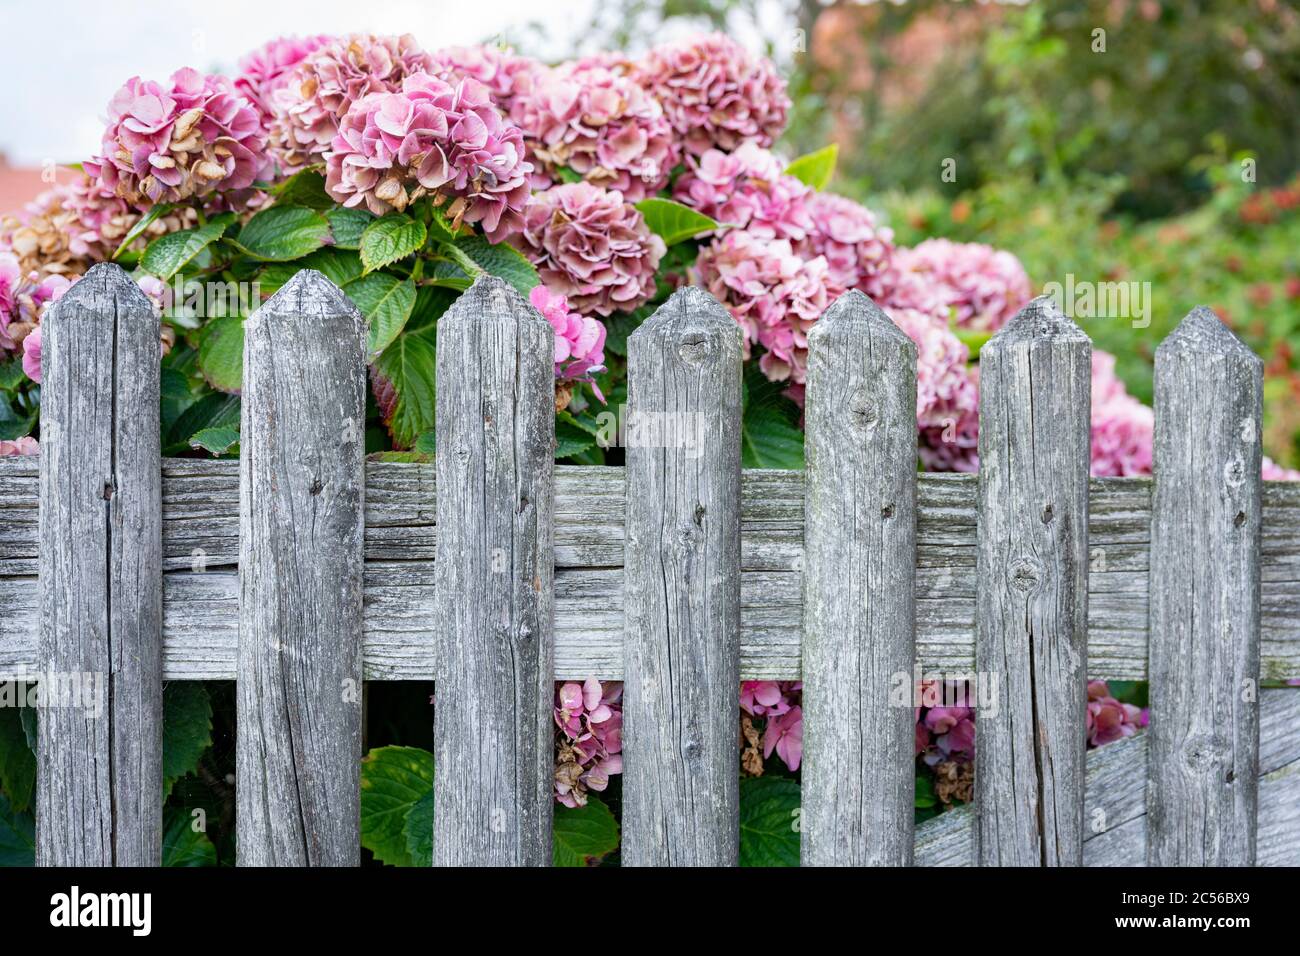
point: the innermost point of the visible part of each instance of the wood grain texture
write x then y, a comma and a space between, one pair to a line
1205, 598
494, 608
859, 582
1116, 802
200, 593
682, 599
1032, 606
99, 765
298, 747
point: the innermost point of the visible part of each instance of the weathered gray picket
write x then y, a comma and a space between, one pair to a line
859, 582
1205, 534
496, 447
1032, 610
99, 756
301, 493
303, 568
681, 802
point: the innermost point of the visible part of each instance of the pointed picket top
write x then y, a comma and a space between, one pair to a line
104, 281
1203, 331
689, 309
856, 312
309, 294
489, 299
1041, 319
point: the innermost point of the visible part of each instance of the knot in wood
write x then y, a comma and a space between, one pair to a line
695, 349
863, 412
1234, 472
1025, 573
1202, 752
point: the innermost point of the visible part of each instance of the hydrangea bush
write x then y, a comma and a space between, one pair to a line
596, 188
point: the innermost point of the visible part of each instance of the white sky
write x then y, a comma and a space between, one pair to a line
63, 60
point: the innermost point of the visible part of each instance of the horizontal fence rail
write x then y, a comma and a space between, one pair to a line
302, 569
201, 586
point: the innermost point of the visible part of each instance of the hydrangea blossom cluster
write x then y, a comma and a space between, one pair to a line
780, 705
579, 341
947, 393
945, 722
983, 286
715, 93
1122, 427
598, 123
592, 247
775, 294
168, 143
1108, 719
431, 137
589, 744
748, 189
313, 98
504, 73
268, 69
23, 299
858, 250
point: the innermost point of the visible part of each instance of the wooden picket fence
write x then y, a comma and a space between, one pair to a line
303, 568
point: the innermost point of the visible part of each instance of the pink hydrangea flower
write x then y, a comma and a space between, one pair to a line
32, 355
983, 286
857, 249
715, 93
599, 124
503, 72
579, 341
1275, 472
1108, 719
26, 445
747, 189
592, 247
784, 734
169, 142
23, 300
945, 723
774, 294
320, 90
432, 137
267, 69
1122, 427
769, 698
589, 743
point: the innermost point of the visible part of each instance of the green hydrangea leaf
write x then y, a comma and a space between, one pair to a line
582, 835
182, 845
282, 233
170, 253
221, 354
770, 436
497, 259
393, 781
387, 302
672, 221
340, 266
216, 441
390, 238
769, 821
348, 226
815, 169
